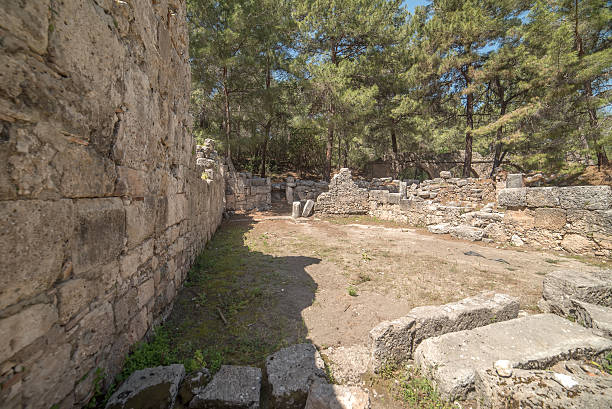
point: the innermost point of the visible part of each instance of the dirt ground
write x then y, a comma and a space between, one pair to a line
266, 281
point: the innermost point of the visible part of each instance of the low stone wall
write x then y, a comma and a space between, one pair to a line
302, 190
102, 206
245, 192
574, 219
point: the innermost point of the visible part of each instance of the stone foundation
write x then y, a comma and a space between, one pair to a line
102, 205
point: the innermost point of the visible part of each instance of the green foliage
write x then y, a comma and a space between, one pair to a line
607, 364
419, 393
352, 291
155, 352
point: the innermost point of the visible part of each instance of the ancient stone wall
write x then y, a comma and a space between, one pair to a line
245, 192
302, 190
574, 219
102, 207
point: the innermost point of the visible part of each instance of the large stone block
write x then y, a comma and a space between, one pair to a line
233, 387
586, 197
73, 296
100, 230
140, 218
466, 232
20, 330
451, 361
34, 245
393, 342
291, 372
149, 388
512, 197
28, 21
593, 316
550, 218
51, 377
96, 331
514, 180
561, 286
542, 196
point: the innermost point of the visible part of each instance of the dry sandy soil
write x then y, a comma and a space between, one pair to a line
266, 281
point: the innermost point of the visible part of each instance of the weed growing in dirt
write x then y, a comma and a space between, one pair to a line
418, 392
552, 261
607, 364
352, 291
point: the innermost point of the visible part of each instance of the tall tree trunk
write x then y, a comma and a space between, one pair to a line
328, 148
228, 124
346, 152
500, 132
394, 165
264, 150
469, 110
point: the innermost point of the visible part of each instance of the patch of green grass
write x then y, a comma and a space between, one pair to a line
363, 278
352, 291
541, 273
417, 392
607, 363
552, 261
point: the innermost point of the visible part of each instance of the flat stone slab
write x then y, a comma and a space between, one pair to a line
466, 232
308, 208
151, 388
451, 361
233, 387
324, 396
575, 388
593, 316
291, 372
347, 364
393, 342
561, 286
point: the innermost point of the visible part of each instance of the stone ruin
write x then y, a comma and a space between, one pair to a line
575, 219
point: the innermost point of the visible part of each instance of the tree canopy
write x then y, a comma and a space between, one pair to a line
311, 85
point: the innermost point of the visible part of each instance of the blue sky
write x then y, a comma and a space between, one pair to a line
411, 4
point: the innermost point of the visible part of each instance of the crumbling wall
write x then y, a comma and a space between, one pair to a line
302, 190
245, 192
102, 208
343, 197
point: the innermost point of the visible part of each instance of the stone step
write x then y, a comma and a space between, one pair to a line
325, 396
233, 387
450, 361
393, 342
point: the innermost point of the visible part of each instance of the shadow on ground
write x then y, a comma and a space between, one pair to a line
240, 304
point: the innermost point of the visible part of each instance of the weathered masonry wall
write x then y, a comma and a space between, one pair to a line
102, 207
574, 219
245, 192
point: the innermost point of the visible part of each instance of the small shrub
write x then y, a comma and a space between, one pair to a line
352, 291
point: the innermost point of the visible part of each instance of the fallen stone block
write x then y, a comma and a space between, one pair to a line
347, 364
233, 387
149, 388
291, 372
394, 198
295, 211
579, 389
593, 316
451, 361
467, 232
441, 228
324, 396
308, 208
561, 286
394, 342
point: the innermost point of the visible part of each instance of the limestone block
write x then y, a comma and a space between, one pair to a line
467, 232
576, 243
550, 218
96, 331
512, 197
233, 387
561, 286
391, 341
192, 384
99, 232
74, 295
586, 197
50, 378
140, 218
521, 219
394, 198
157, 385
34, 242
445, 174
441, 228
289, 194
84, 173
452, 360
20, 330
29, 22
347, 364
324, 396
542, 196
130, 182
308, 208
514, 180
146, 291
291, 372
593, 316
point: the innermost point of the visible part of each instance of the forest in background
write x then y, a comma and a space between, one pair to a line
310, 85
